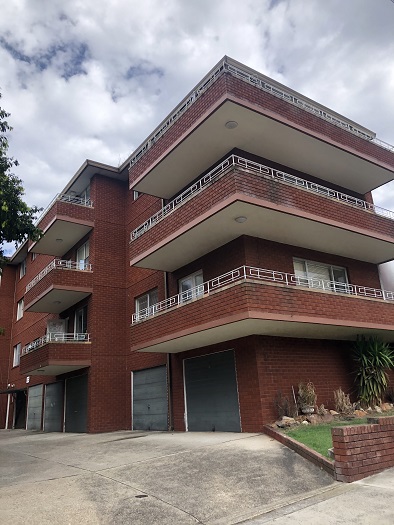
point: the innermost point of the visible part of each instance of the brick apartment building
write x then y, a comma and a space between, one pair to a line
234, 254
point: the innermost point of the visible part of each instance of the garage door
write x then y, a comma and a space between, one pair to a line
53, 407
34, 408
150, 399
211, 393
76, 404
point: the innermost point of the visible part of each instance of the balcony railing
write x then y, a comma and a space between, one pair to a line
249, 273
260, 82
64, 197
262, 171
59, 264
55, 338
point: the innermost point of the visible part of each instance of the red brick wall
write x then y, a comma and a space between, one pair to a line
205, 101
266, 365
66, 209
108, 318
363, 450
283, 363
71, 279
138, 282
267, 102
32, 325
260, 253
53, 353
7, 288
238, 182
247, 92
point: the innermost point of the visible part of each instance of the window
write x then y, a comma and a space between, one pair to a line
82, 256
136, 194
191, 286
33, 256
81, 321
19, 309
320, 275
17, 355
22, 269
147, 300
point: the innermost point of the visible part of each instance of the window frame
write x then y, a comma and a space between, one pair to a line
16, 359
22, 269
83, 263
196, 290
148, 295
337, 287
84, 316
20, 306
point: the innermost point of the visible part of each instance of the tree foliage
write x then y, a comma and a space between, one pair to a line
16, 217
372, 358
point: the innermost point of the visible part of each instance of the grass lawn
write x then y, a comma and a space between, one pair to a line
318, 437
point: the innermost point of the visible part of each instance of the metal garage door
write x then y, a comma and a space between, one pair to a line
211, 393
34, 408
53, 407
76, 404
150, 399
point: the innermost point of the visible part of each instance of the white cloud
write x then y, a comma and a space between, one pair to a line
92, 79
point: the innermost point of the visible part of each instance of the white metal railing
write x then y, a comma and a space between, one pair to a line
59, 337
263, 171
64, 197
59, 264
249, 273
259, 81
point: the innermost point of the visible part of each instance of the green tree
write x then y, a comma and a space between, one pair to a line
16, 217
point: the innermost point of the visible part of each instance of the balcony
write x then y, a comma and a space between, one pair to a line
65, 222
59, 286
241, 108
242, 197
55, 354
248, 300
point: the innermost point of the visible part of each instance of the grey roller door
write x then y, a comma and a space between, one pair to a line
211, 393
53, 407
34, 408
150, 399
76, 404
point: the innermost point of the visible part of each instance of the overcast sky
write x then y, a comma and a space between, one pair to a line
92, 78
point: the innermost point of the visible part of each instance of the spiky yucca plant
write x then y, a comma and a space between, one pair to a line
372, 357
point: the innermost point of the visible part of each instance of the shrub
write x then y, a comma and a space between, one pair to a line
306, 394
284, 406
342, 402
372, 357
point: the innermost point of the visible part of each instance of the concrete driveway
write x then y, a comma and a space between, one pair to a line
150, 478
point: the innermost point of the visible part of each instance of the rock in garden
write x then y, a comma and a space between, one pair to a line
305, 423
360, 413
378, 410
385, 407
331, 453
313, 419
286, 422
327, 418
334, 413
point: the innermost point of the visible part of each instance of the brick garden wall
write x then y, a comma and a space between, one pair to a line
363, 450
